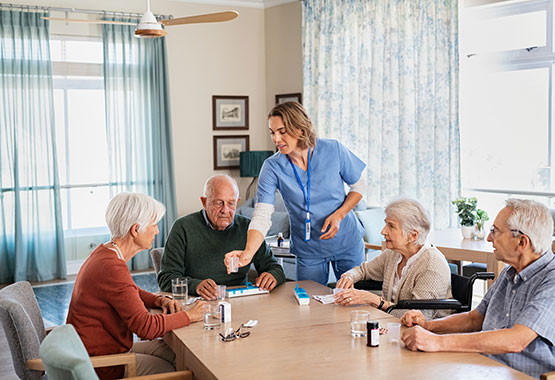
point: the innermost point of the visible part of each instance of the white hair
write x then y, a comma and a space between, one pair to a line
209, 185
533, 220
412, 216
127, 209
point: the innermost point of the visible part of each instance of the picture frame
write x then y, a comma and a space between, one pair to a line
227, 149
230, 112
295, 97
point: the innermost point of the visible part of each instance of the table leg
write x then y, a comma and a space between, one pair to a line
494, 266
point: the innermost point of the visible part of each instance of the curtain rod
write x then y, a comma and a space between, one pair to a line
41, 8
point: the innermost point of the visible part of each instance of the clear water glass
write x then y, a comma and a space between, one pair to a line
179, 290
358, 322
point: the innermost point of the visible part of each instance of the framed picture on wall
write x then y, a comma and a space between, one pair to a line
282, 98
227, 150
230, 112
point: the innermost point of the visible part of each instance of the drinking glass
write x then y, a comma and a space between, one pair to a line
358, 322
212, 316
180, 289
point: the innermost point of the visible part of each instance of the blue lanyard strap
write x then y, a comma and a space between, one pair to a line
306, 194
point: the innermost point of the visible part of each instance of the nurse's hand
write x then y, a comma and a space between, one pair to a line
332, 222
245, 258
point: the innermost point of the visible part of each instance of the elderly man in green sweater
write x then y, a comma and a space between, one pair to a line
198, 243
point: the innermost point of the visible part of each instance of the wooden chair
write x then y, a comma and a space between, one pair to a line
548, 376
65, 357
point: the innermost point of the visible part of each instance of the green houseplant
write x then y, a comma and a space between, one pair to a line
479, 223
466, 210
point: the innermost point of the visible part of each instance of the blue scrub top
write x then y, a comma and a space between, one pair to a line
332, 165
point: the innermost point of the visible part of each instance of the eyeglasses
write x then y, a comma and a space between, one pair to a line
494, 232
233, 335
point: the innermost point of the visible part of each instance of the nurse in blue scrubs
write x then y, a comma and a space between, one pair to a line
310, 173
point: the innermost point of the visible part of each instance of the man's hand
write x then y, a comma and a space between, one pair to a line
419, 339
266, 281
333, 222
345, 282
244, 258
196, 313
414, 318
207, 289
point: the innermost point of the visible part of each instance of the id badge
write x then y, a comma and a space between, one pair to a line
307, 228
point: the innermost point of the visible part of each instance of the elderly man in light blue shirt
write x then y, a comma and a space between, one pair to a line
514, 322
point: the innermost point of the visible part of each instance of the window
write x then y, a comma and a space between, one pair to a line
506, 92
80, 133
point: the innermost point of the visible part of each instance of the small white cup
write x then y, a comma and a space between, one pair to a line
221, 292
234, 264
393, 332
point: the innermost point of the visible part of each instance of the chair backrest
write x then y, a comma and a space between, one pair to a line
23, 325
156, 255
461, 287
64, 355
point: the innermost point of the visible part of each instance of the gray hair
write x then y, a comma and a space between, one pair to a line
127, 209
533, 220
412, 216
209, 185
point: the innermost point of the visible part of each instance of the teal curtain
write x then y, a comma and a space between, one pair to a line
381, 76
31, 228
138, 122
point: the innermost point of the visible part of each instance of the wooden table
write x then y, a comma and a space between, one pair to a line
314, 342
451, 243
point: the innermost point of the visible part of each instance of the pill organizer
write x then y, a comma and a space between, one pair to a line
301, 295
248, 290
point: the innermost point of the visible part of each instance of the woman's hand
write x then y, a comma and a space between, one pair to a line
332, 222
356, 297
196, 313
245, 258
168, 305
345, 282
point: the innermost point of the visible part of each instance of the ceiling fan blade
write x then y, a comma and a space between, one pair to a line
89, 21
210, 17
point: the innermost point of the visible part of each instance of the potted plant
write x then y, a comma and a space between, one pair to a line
479, 223
466, 210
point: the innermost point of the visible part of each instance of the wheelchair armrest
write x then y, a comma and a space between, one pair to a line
426, 304
368, 285
483, 276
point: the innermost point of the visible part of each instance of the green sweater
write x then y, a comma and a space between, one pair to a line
196, 251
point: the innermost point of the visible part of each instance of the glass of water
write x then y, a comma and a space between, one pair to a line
358, 322
179, 290
212, 316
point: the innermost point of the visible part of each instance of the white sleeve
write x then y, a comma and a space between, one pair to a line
359, 187
262, 217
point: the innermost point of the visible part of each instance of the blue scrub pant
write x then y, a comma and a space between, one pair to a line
317, 268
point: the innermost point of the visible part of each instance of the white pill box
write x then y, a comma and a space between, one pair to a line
225, 311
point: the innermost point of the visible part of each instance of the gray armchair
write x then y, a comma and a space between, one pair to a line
24, 328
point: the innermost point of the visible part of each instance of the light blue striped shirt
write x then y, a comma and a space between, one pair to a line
526, 298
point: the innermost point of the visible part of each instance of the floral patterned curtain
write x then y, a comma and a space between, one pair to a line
381, 76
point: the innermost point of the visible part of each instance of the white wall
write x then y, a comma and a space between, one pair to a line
212, 59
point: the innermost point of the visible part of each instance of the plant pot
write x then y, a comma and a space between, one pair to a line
478, 233
467, 231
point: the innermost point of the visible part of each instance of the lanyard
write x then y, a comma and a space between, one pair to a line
306, 194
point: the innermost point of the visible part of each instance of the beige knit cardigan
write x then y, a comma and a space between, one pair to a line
428, 278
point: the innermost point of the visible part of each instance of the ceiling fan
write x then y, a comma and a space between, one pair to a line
149, 27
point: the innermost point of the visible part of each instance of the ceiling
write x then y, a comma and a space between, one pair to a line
242, 3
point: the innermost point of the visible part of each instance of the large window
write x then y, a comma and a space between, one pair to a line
80, 133
506, 83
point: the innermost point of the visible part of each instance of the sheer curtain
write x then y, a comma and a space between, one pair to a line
381, 76
138, 122
31, 228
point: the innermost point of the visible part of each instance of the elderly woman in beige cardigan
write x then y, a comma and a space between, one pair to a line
409, 267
